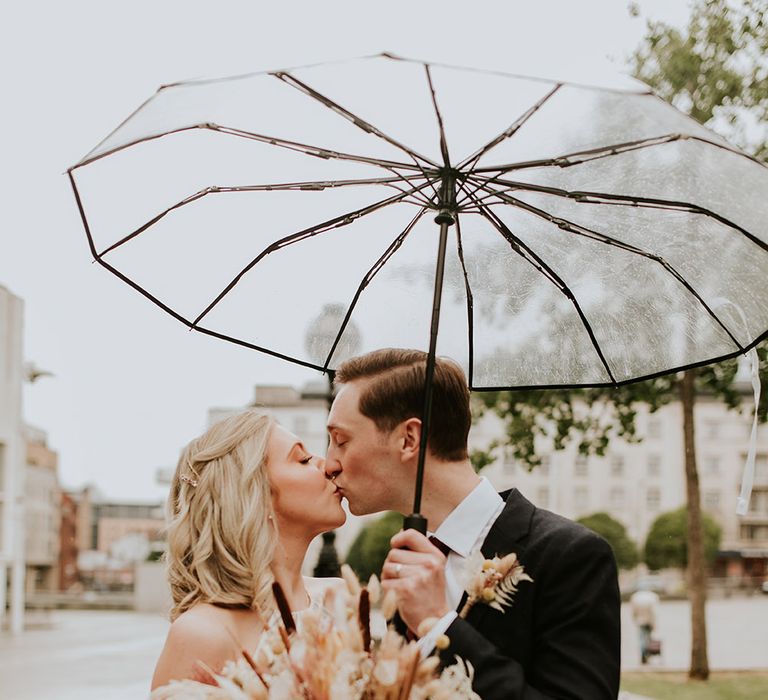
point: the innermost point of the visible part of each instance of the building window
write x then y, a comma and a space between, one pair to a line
754, 532
653, 498
617, 497
617, 465
711, 500
509, 463
654, 465
543, 497
761, 468
654, 428
581, 466
711, 465
544, 466
581, 498
711, 429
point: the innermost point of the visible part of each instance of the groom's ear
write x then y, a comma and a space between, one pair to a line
410, 436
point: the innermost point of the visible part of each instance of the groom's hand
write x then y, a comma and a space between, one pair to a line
415, 570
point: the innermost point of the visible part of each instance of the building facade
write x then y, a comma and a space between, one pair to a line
11, 462
42, 514
68, 574
635, 483
112, 537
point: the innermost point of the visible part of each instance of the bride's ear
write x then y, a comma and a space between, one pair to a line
410, 436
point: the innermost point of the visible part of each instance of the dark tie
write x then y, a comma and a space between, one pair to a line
444, 548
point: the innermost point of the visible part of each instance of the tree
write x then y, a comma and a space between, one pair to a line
715, 71
369, 550
624, 549
667, 542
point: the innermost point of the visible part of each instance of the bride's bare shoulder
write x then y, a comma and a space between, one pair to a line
201, 634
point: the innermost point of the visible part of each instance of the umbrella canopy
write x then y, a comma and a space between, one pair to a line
599, 236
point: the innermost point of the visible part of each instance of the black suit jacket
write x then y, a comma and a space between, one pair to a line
561, 638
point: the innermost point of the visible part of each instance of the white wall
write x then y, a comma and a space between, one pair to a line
13, 456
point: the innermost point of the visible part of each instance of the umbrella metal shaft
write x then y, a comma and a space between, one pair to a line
415, 520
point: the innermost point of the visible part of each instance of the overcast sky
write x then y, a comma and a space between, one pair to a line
132, 385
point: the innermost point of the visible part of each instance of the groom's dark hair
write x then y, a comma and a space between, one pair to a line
396, 393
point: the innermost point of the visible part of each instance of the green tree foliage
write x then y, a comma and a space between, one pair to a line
369, 550
592, 417
715, 70
667, 542
624, 549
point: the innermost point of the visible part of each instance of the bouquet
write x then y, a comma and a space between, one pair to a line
332, 653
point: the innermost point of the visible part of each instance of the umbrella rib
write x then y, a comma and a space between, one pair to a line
349, 116
324, 153
429, 177
604, 198
470, 303
178, 316
306, 149
336, 222
585, 232
425, 201
533, 259
294, 82
288, 186
368, 278
575, 157
478, 184
467, 165
443, 141
633, 380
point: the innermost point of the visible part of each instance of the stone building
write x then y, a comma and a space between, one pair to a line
42, 515
11, 461
68, 575
635, 483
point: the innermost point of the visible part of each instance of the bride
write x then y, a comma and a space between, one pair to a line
246, 500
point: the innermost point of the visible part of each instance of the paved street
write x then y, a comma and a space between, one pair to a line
737, 635
88, 655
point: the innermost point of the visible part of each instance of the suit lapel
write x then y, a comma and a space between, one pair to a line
505, 536
512, 525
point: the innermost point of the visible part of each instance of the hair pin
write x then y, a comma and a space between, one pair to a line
189, 480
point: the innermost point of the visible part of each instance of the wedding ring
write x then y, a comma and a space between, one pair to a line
398, 569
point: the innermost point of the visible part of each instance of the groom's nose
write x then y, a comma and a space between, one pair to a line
332, 466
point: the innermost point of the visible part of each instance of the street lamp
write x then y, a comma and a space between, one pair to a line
318, 341
321, 334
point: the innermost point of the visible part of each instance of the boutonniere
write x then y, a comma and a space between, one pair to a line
493, 582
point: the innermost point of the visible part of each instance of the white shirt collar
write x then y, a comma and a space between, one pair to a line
467, 521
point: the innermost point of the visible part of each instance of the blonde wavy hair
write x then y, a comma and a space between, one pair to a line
221, 526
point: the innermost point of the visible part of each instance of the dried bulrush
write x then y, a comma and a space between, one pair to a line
329, 653
493, 582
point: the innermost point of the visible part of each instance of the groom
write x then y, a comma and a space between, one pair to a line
561, 636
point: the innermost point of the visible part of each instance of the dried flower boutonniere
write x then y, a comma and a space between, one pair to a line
493, 581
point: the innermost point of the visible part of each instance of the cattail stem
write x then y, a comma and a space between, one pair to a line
364, 614
283, 607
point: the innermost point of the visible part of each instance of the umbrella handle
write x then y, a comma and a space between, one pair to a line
415, 521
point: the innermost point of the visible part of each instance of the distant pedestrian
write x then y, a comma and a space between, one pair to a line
644, 604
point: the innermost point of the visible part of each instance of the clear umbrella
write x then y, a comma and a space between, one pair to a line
585, 236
